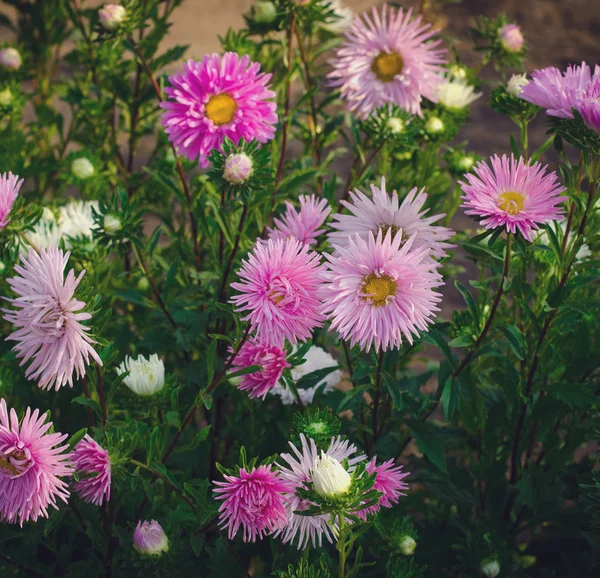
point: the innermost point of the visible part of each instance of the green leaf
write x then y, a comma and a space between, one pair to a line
154, 240
514, 338
210, 361
466, 294
460, 341
88, 402
311, 379
77, 437
429, 442
395, 391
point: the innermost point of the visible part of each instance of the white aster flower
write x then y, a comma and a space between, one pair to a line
584, 251
344, 17
315, 358
46, 232
330, 478
146, 376
516, 84
76, 220
456, 94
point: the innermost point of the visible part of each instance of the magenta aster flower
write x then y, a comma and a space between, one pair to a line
388, 58
559, 93
304, 224
513, 194
9, 189
296, 472
269, 357
279, 290
222, 96
588, 105
150, 539
92, 463
383, 212
253, 500
32, 463
379, 290
48, 318
388, 481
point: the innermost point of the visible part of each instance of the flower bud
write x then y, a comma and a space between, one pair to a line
396, 125
330, 478
465, 163
111, 224
434, 125
111, 16
264, 12
238, 168
511, 38
82, 168
458, 71
407, 546
150, 539
516, 84
10, 59
490, 568
146, 376
5, 97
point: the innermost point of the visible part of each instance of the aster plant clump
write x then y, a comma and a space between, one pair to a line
286, 319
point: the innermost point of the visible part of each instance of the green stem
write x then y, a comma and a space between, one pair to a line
342, 548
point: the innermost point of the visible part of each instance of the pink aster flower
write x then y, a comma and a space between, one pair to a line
92, 463
279, 291
304, 224
296, 471
269, 357
559, 93
9, 189
48, 318
511, 37
150, 539
253, 500
513, 194
383, 212
32, 463
378, 290
221, 96
388, 58
388, 481
588, 104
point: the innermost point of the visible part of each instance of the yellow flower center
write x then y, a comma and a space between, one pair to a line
378, 289
221, 109
7, 468
276, 297
387, 66
511, 202
385, 228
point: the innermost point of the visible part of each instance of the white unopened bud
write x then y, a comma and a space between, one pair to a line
407, 546
238, 168
10, 58
465, 163
330, 478
516, 84
111, 16
264, 12
396, 125
5, 97
150, 539
111, 224
490, 568
511, 38
146, 376
434, 125
458, 71
82, 168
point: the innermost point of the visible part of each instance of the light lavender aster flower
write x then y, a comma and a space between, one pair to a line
48, 319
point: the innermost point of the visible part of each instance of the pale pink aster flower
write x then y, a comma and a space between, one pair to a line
588, 105
513, 194
150, 539
559, 93
253, 500
388, 59
32, 463
388, 481
296, 471
48, 318
303, 224
10, 59
279, 291
9, 189
378, 291
511, 37
111, 16
270, 358
384, 212
92, 464
221, 96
